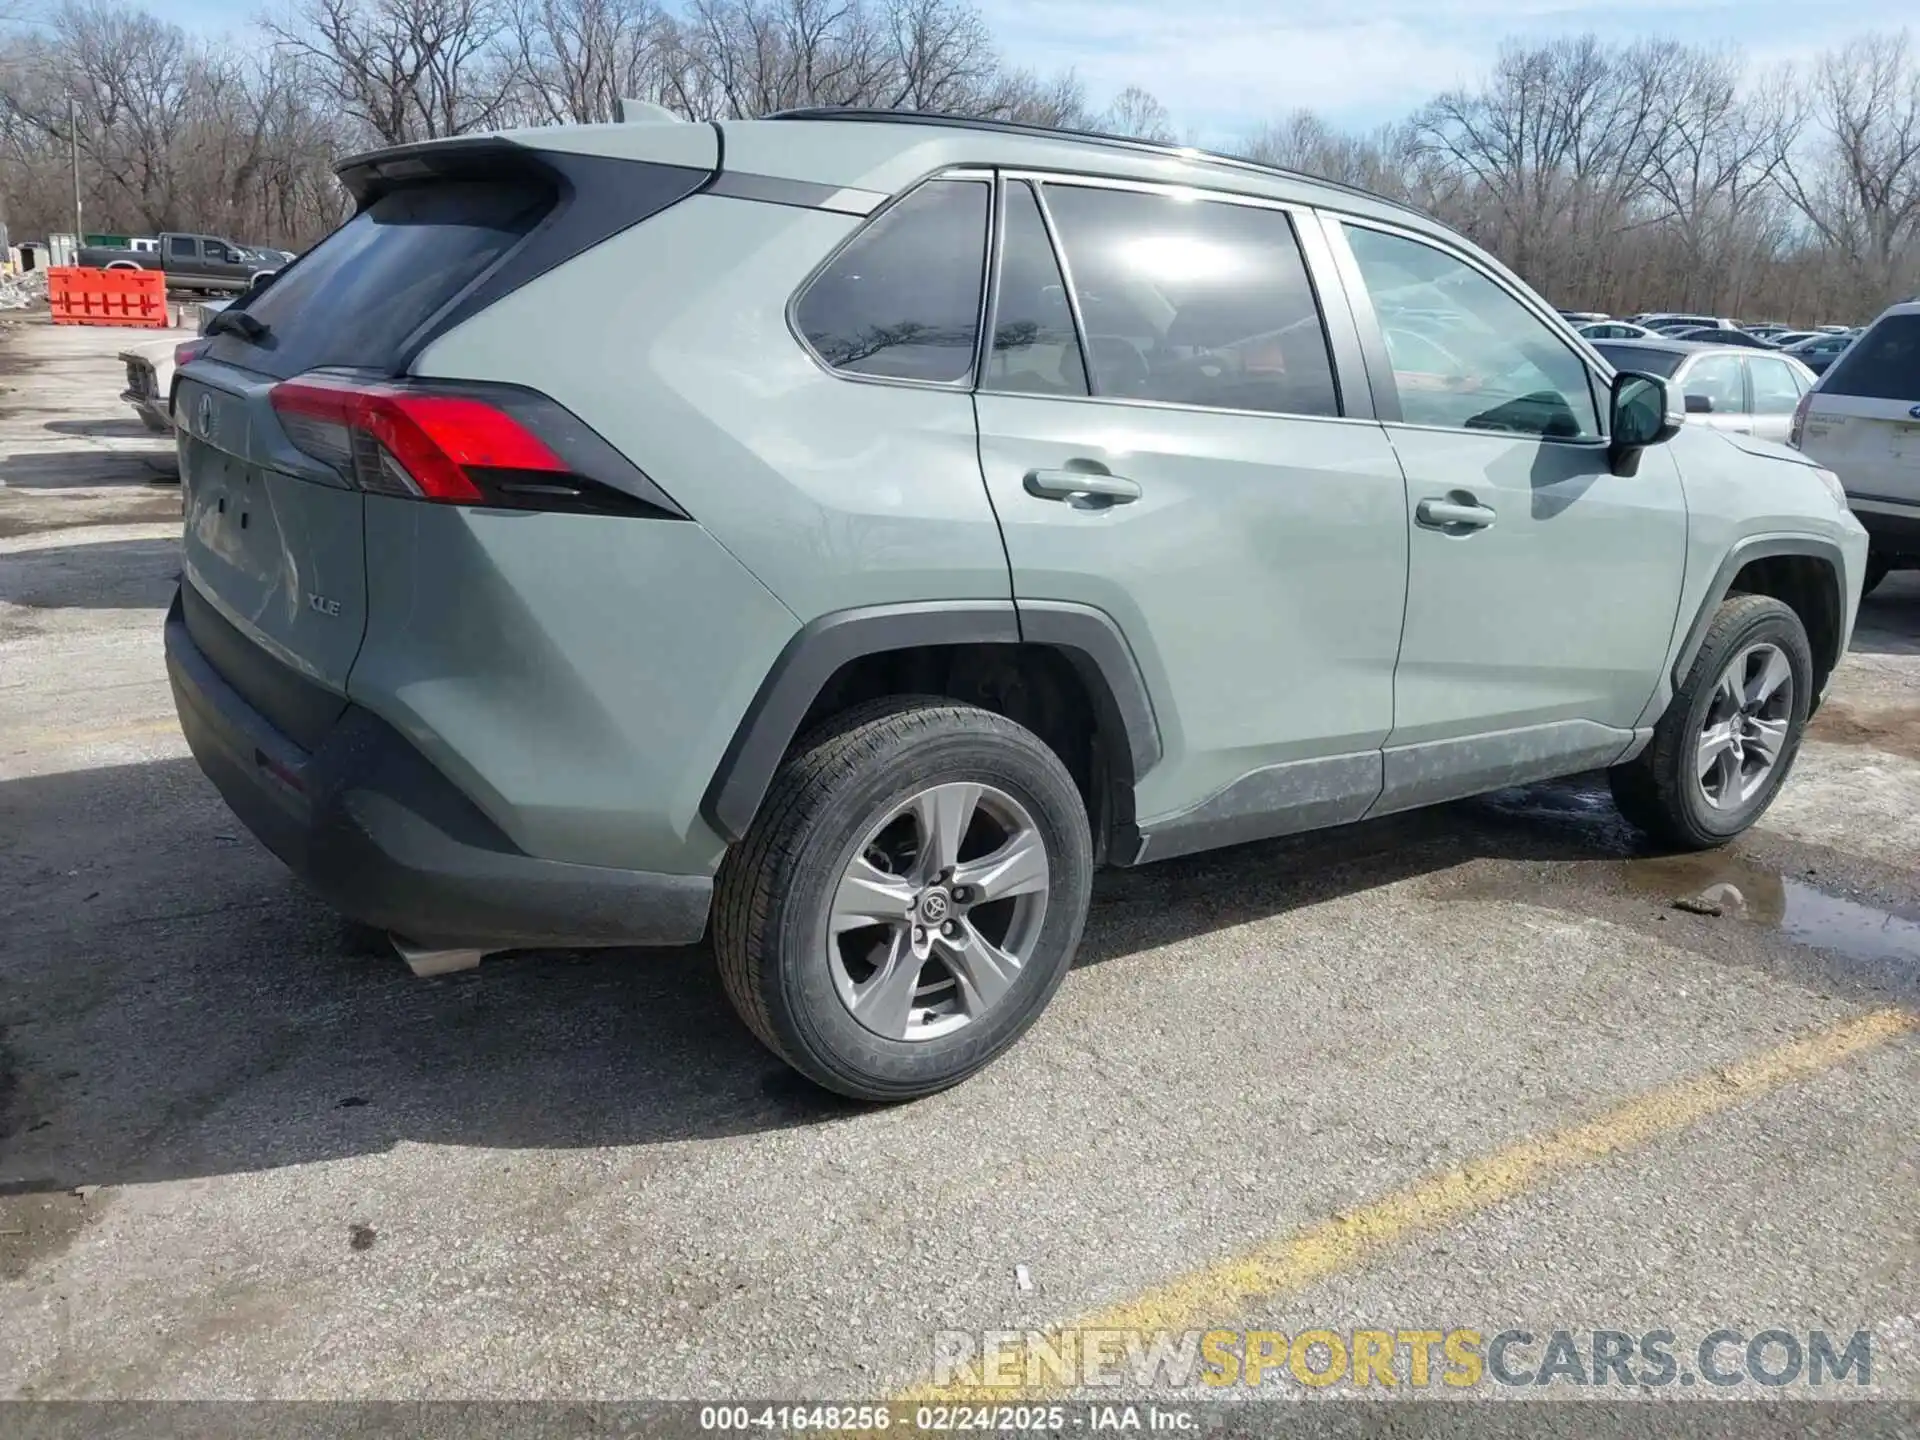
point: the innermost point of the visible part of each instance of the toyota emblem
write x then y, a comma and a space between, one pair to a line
205, 414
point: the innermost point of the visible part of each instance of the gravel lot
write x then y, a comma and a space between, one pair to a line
244, 1153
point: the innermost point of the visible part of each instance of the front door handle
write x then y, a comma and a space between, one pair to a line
1088, 485
1455, 516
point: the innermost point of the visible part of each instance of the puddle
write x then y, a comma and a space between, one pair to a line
1873, 944
1871, 937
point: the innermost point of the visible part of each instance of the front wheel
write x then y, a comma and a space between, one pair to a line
1722, 750
908, 898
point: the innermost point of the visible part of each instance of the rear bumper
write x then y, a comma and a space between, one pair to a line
388, 840
1892, 526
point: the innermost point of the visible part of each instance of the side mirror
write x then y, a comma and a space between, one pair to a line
1639, 416
1699, 405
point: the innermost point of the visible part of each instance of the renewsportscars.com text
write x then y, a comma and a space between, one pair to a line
1457, 1358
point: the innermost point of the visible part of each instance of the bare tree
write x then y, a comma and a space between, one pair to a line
1858, 182
1617, 177
577, 59
1135, 112
405, 69
1713, 178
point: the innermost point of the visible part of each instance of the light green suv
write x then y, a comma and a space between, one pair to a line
843, 532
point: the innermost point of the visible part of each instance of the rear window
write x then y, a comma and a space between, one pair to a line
1642, 362
356, 296
1884, 363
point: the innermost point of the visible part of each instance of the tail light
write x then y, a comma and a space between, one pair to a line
444, 445
188, 350
1798, 429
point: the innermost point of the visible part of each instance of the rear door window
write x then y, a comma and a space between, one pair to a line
1035, 350
183, 247
1883, 364
361, 292
1776, 389
1717, 379
1194, 302
902, 300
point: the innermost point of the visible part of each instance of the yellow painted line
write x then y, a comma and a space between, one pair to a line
1291, 1262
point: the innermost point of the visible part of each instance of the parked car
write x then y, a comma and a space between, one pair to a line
1821, 350
1584, 317
1791, 337
149, 369
1664, 319
191, 262
1616, 330
1724, 387
779, 543
1712, 335
1862, 421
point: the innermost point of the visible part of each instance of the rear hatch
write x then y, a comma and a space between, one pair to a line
286, 416
1863, 419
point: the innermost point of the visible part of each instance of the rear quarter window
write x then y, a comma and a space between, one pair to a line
901, 301
1883, 364
361, 292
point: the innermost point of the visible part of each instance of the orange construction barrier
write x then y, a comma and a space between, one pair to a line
108, 297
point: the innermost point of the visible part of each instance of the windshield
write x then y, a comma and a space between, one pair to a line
1641, 361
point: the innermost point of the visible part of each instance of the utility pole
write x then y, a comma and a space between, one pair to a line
73, 140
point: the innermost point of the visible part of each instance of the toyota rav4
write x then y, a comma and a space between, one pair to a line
843, 532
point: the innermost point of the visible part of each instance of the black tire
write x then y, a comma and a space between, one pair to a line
775, 888
1878, 568
1659, 791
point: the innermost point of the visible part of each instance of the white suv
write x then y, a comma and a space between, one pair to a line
1862, 421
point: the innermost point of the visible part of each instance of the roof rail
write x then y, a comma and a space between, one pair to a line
1095, 137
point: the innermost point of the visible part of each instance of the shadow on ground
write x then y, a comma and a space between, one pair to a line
118, 428
109, 575
174, 1004
80, 468
1889, 620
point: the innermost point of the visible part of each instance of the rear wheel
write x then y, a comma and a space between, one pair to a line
908, 898
1722, 750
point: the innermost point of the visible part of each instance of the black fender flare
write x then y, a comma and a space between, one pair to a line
1743, 553
1088, 639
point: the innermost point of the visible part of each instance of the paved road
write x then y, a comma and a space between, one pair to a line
1464, 1068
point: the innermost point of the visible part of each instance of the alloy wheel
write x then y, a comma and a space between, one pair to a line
938, 911
1746, 727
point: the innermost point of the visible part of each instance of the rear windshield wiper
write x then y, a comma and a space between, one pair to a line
238, 322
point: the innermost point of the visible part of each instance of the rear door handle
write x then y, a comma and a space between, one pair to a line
1454, 515
1081, 485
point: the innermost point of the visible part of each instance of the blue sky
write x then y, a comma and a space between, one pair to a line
1224, 66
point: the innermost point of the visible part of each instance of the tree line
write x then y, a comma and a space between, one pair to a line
1613, 177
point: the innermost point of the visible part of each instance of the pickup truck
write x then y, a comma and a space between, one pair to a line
191, 262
